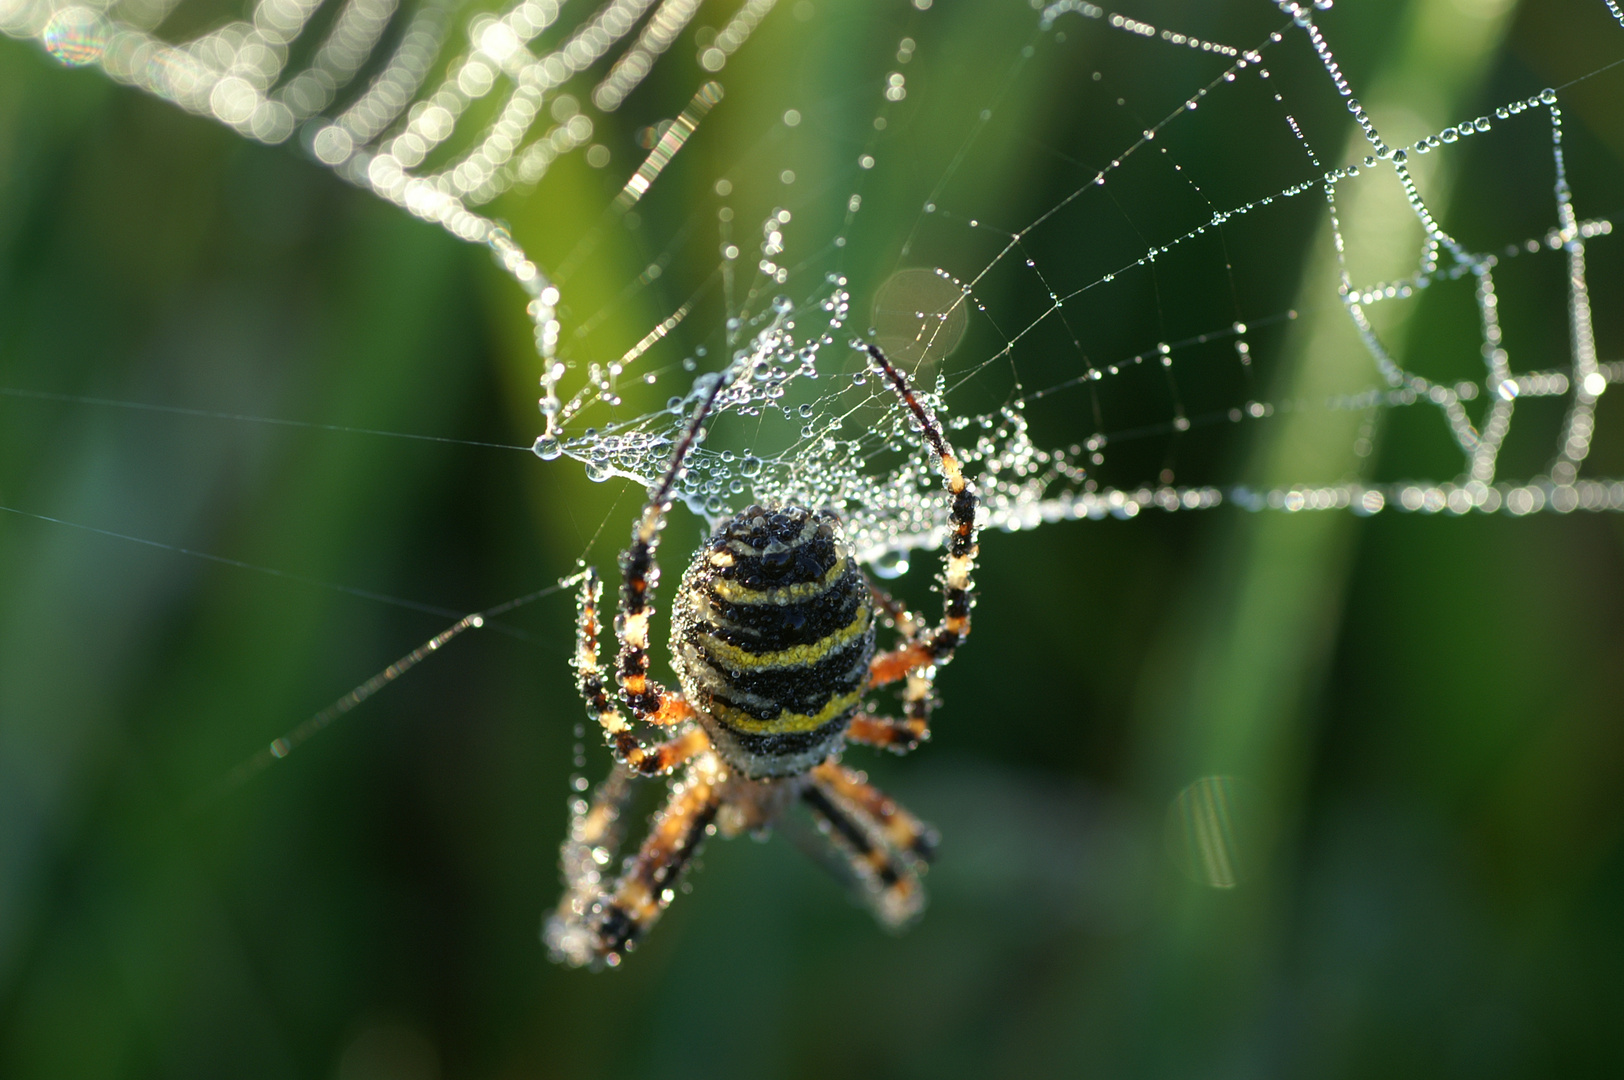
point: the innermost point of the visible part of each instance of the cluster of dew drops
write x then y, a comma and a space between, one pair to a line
871, 467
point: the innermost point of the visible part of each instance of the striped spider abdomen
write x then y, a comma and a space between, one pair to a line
772, 633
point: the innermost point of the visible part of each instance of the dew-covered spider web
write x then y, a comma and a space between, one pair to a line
1109, 349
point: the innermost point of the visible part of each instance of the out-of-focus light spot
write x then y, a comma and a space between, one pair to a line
1204, 832
389, 1052
919, 316
233, 100
1481, 9
499, 42
332, 145
597, 155
75, 36
475, 79
271, 122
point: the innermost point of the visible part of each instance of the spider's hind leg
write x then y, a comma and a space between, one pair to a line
597, 829
886, 849
596, 923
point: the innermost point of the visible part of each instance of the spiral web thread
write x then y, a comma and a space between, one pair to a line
788, 337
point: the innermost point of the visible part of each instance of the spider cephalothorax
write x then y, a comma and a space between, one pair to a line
773, 642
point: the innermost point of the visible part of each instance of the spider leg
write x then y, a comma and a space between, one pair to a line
885, 847
936, 647
910, 660
646, 758
644, 698
887, 732
597, 830
597, 925
907, 623
902, 829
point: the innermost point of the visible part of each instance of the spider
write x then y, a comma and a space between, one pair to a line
772, 637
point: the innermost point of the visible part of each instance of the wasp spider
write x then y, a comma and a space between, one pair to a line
773, 642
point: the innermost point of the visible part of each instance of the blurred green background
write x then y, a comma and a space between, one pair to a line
1418, 718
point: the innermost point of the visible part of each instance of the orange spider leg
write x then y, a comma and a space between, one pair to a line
629, 750
907, 660
888, 874
888, 733
595, 925
597, 830
923, 648
902, 830
906, 622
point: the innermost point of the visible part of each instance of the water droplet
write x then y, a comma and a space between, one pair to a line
891, 565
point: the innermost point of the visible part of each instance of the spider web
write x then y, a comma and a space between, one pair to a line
1096, 349
1008, 329
828, 443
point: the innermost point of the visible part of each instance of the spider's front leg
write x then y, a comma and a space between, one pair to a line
649, 759
928, 648
644, 698
596, 925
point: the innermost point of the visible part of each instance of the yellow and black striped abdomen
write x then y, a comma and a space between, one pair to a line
772, 633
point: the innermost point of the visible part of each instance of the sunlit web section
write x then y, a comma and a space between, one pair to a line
401, 134
1017, 335
842, 443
